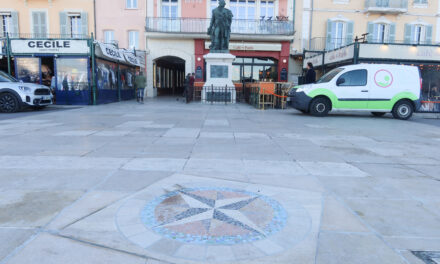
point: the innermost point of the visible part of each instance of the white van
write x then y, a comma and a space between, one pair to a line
376, 88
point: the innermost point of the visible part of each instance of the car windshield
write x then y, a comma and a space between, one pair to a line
329, 75
4, 77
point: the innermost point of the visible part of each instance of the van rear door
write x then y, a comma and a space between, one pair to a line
352, 90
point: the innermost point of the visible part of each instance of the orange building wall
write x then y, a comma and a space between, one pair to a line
194, 9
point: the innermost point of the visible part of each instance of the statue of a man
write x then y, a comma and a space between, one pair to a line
220, 28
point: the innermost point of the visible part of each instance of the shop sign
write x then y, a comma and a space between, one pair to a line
250, 46
315, 60
399, 52
111, 52
60, 46
343, 54
131, 58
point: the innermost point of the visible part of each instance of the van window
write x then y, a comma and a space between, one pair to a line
329, 75
354, 78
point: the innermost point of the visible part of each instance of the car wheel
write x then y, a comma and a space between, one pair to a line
378, 114
8, 103
403, 110
320, 106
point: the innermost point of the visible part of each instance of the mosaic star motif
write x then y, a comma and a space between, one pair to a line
214, 216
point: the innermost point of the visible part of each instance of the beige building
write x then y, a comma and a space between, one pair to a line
331, 24
37, 18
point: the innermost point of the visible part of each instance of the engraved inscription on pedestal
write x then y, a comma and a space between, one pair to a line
219, 71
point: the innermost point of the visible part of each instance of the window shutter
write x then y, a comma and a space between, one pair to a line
14, 27
43, 25
84, 23
349, 33
408, 35
428, 34
64, 28
370, 31
36, 23
392, 33
329, 35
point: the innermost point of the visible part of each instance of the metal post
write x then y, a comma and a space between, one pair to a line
226, 90
8, 53
92, 51
212, 93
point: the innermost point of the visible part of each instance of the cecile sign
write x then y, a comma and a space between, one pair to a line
64, 46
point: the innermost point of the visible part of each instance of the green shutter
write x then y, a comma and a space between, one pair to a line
15, 31
329, 35
84, 23
349, 33
408, 33
36, 23
370, 31
64, 28
392, 33
43, 25
428, 34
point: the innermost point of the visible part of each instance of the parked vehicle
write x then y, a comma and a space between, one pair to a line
14, 94
376, 88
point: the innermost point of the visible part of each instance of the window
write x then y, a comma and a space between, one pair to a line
330, 75
75, 24
131, 4
254, 69
382, 3
267, 8
243, 9
354, 78
421, 2
39, 24
5, 24
109, 36
419, 35
133, 39
338, 29
170, 8
380, 33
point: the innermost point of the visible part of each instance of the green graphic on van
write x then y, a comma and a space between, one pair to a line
383, 78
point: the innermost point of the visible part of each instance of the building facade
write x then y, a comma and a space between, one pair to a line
177, 40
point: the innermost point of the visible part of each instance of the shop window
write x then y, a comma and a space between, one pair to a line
255, 69
39, 22
28, 70
109, 36
133, 39
106, 76
354, 78
72, 74
131, 4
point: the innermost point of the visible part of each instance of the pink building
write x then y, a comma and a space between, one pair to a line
176, 38
121, 22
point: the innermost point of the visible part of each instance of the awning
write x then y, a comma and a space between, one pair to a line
109, 51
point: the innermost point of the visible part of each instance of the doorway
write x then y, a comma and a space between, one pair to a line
169, 75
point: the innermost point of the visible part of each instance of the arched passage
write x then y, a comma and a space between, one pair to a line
168, 75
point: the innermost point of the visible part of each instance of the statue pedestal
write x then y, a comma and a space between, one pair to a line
219, 86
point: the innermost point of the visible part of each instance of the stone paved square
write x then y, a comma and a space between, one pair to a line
172, 183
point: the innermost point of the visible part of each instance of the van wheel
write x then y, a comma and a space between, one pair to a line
378, 114
8, 103
320, 106
403, 110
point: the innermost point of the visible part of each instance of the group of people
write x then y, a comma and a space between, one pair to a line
189, 86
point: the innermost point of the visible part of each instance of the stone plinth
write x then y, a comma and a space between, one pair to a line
219, 86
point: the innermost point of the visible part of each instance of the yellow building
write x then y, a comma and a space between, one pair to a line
46, 18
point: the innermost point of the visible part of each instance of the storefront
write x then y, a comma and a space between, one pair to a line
426, 57
3, 55
62, 64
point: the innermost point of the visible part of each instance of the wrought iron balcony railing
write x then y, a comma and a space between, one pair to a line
387, 6
200, 26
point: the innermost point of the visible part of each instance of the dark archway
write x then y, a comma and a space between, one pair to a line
169, 75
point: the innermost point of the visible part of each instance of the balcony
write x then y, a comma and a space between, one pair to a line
386, 6
200, 26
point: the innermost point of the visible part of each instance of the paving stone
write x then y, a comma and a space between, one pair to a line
182, 133
330, 169
11, 238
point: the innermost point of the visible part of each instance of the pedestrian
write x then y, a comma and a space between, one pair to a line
186, 85
310, 74
140, 86
190, 90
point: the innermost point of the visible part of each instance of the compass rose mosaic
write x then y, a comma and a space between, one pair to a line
214, 216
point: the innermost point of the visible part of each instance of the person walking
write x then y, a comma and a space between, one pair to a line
140, 86
310, 74
186, 85
190, 90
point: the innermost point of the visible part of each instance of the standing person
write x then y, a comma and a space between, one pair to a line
140, 86
311, 74
186, 84
190, 90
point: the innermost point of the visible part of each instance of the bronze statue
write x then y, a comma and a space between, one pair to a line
220, 28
